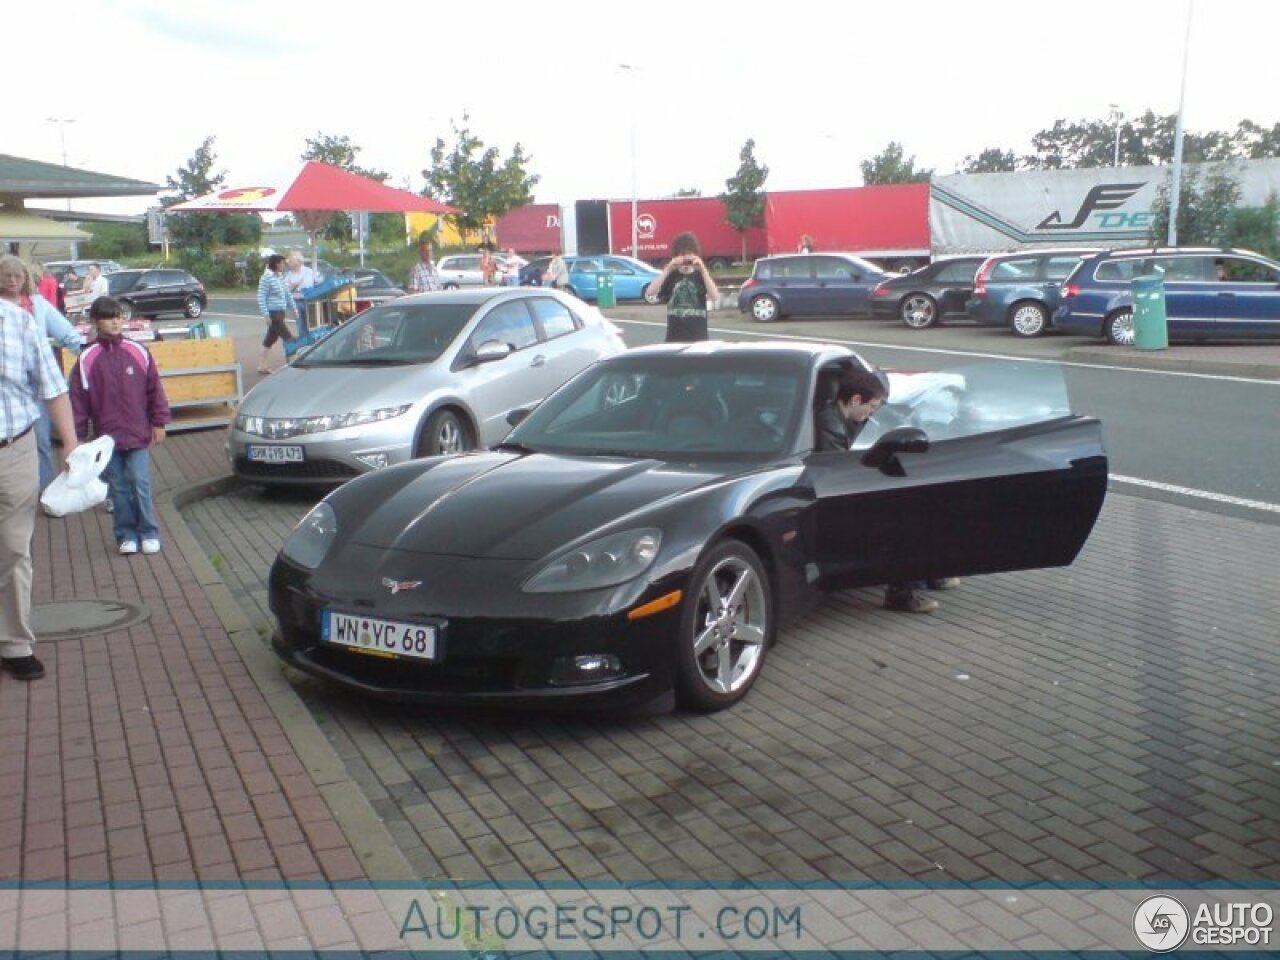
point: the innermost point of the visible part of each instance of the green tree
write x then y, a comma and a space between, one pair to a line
113, 241
1207, 200
201, 232
1258, 228
687, 192
1255, 142
990, 160
476, 180
891, 165
339, 151
744, 194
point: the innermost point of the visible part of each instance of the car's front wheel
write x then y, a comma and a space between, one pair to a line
1028, 319
725, 629
444, 433
192, 307
919, 311
1119, 328
765, 309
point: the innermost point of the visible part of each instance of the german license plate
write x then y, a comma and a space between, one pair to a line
380, 637
275, 453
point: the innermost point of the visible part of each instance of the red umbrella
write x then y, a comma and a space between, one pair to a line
315, 194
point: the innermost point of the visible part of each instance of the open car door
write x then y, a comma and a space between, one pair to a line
979, 471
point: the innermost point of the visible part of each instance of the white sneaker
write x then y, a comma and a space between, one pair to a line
129, 547
150, 545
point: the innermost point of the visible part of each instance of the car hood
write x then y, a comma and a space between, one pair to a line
315, 391
497, 505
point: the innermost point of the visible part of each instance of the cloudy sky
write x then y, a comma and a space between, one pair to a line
820, 85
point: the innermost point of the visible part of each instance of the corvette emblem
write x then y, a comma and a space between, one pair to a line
395, 586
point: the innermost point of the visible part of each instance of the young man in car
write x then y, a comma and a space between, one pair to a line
844, 405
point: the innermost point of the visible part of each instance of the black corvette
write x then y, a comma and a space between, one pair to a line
655, 523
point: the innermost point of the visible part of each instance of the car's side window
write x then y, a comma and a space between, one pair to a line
829, 268
1015, 269
584, 266
555, 318
1057, 268
957, 272
1118, 271
508, 323
796, 269
1185, 268
1239, 270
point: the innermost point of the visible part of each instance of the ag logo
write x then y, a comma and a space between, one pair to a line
1161, 924
646, 225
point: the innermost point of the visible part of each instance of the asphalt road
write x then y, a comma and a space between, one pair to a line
1214, 438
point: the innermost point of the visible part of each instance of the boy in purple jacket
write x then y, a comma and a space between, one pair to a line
116, 385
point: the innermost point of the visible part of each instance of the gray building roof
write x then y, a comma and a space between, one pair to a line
32, 179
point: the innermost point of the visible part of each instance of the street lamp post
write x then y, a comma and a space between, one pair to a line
62, 138
1175, 176
635, 200
1117, 117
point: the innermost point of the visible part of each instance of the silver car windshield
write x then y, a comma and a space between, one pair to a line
392, 335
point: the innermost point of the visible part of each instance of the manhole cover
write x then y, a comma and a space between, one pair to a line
84, 618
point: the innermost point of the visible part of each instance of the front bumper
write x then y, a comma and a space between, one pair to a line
497, 644
327, 460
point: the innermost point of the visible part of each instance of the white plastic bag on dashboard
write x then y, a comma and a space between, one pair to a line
80, 486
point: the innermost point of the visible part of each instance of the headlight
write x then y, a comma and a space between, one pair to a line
280, 427
601, 563
312, 537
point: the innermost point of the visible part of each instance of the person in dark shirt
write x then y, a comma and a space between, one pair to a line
845, 403
685, 286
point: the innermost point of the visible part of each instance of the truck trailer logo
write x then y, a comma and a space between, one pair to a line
1105, 196
646, 226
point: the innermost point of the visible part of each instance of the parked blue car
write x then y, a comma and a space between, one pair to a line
810, 285
1209, 294
630, 276
1021, 290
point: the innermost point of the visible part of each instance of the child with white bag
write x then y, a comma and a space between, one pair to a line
116, 385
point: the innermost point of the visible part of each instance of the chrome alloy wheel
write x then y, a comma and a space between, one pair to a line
731, 626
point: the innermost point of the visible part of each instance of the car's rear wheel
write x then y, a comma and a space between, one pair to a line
725, 629
444, 433
450, 286
765, 309
919, 311
1119, 328
192, 307
1028, 319
126, 311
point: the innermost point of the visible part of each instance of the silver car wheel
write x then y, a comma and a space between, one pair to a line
730, 628
918, 311
193, 307
1120, 328
1029, 320
764, 309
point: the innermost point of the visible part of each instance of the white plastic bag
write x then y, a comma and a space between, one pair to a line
80, 486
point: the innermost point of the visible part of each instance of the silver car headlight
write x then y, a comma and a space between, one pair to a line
312, 537
601, 563
281, 427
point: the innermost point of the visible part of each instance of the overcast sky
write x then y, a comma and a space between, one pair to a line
820, 86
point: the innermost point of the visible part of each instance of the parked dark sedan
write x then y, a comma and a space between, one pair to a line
149, 293
656, 522
929, 295
1021, 290
809, 285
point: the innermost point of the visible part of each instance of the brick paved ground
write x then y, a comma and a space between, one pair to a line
150, 753
1109, 721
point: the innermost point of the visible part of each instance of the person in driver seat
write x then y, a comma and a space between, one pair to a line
843, 404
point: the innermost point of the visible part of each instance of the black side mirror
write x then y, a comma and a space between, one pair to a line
883, 455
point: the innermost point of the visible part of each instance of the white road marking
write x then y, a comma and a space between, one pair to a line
1199, 494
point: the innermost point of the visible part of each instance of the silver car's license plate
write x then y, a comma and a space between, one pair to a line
384, 637
275, 453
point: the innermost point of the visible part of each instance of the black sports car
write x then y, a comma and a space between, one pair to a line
654, 523
928, 295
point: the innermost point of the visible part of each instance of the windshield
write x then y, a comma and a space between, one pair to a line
673, 408
391, 335
120, 282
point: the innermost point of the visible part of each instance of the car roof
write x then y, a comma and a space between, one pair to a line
746, 350
477, 295
1179, 251
1047, 252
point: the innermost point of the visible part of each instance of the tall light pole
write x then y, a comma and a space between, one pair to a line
1117, 117
62, 138
635, 199
1175, 178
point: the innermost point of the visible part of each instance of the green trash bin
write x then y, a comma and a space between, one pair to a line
1150, 322
604, 290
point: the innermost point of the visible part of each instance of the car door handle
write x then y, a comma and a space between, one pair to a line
1226, 293
539, 361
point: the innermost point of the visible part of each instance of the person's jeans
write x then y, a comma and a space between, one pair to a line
303, 326
44, 449
133, 514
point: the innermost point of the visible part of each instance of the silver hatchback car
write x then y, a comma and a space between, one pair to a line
419, 376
